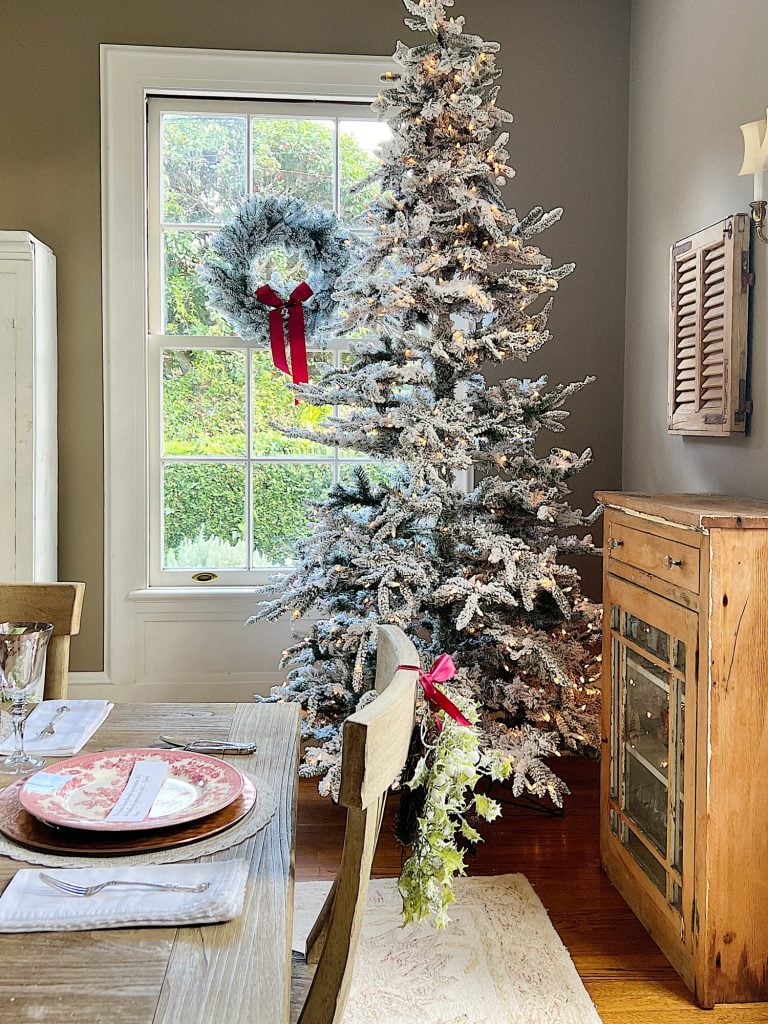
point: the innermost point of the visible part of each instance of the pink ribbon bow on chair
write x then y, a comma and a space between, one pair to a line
297, 341
442, 670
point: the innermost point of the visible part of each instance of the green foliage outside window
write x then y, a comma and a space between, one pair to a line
205, 509
203, 501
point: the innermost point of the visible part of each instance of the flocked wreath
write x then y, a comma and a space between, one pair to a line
263, 311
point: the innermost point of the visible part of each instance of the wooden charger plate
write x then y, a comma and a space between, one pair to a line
19, 825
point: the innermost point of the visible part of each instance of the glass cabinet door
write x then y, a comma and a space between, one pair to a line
652, 664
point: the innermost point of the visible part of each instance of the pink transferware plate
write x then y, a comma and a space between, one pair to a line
81, 791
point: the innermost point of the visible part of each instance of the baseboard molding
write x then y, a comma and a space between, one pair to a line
89, 679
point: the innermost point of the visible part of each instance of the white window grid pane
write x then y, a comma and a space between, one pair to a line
158, 227
334, 459
215, 225
211, 225
172, 342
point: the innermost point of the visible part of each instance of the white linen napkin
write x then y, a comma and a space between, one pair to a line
72, 729
30, 905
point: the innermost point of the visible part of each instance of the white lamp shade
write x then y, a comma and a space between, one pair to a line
755, 147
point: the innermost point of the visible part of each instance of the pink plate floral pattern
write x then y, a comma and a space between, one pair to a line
81, 791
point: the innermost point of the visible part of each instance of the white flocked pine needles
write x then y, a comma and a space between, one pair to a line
453, 279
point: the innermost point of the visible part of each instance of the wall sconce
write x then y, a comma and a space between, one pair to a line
755, 163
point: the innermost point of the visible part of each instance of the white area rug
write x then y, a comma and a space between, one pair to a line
499, 961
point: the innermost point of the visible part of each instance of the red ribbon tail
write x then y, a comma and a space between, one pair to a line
297, 337
298, 343
277, 340
447, 705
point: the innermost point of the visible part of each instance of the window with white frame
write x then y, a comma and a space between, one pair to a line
229, 494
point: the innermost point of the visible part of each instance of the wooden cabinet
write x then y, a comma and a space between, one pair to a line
28, 453
684, 801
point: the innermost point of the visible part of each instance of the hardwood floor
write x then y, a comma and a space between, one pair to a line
626, 975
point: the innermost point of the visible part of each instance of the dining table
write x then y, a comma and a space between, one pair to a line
238, 972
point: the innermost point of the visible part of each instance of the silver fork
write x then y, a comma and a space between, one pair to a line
90, 890
50, 729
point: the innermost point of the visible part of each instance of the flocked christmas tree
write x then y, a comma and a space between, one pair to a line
452, 280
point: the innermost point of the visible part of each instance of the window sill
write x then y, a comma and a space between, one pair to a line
193, 593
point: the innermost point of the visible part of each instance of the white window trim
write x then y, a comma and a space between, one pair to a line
129, 74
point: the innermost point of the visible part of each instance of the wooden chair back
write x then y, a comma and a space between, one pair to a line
376, 742
59, 603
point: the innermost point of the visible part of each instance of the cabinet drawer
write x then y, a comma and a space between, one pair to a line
670, 560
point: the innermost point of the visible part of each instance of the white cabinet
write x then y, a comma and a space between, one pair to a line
28, 446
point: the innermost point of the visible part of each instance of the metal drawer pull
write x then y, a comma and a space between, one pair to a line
672, 563
613, 544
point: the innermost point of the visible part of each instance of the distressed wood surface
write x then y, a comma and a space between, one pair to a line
662, 922
733, 889
719, 945
376, 741
696, 511
58, 603
669, 560
233, 973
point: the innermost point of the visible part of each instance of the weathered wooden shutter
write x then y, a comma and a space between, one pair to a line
710, 279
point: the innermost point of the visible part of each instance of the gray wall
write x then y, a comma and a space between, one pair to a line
566, 79
698, 71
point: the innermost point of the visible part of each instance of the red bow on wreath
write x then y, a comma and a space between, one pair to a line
297, 341
442, 670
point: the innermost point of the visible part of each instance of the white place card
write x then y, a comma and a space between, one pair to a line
140, 791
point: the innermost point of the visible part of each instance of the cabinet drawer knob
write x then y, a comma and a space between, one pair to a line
672, 563
613, 544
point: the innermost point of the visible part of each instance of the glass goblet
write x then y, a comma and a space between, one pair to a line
23, 647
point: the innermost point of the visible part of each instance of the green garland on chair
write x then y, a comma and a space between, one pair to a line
450, 767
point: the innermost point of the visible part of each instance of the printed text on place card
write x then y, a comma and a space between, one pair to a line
140, 792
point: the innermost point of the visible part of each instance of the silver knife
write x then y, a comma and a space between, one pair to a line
210, 746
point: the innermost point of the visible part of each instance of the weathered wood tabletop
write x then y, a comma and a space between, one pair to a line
233, 973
